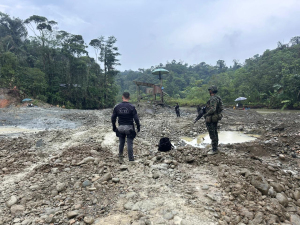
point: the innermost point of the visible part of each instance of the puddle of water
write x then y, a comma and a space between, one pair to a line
268, 111
225, 137
14, 130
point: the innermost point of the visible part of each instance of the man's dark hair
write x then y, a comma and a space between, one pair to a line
126, 95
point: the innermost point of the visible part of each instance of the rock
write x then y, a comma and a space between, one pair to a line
86, 183
205, 187
131, 195
189, 159
279, 127
295, 219
271, 168
271, 192
258, 218
60, 187
77, 206
72, 214
116, 180
88, 219
211, 197
54, 192
54, 170
16, 220
272, 219
128, 205
34, 187
49, 211
245, 172
25, 222
106, 177
297, 195
277, 187
13, 200
86, 160
97, 160
282, 199
161, 166
39, 143
281, 156
168, 216
57, 161
240, 128
50, 219
17, 209
146, 205
246, 213
94, 152
124, 167
155, 175
136, 207
260, 184
185, 222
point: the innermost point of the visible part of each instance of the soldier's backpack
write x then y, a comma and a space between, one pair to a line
165, 145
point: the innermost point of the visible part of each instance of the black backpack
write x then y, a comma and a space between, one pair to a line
165, 145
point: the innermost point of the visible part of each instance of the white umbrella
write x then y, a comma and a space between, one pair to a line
240, 99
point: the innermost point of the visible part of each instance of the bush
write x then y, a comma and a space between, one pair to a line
69, 105
43, 98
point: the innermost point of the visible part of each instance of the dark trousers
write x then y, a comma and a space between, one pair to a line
213, 134
129, 146
178, 113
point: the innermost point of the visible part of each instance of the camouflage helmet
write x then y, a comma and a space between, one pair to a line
213, 88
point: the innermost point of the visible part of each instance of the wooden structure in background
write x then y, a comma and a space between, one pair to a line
156, 89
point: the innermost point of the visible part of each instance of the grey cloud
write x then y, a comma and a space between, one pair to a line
150, 32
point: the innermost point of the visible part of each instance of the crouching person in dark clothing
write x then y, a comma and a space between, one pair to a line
126, 113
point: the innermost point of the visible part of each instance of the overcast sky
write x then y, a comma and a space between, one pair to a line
150, 32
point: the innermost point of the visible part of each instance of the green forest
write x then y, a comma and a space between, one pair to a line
54, 66
269, 80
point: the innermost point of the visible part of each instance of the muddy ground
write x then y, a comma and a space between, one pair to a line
59, 166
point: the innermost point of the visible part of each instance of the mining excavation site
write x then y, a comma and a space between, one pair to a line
60, 166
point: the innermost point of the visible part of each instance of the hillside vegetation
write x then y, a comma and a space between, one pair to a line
54, 66
271, 79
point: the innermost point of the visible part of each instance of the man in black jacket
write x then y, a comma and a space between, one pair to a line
126, 113
177, 110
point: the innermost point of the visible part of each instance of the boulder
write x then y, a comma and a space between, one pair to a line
88, 220
277, 187
106, 177
282, 199
86, 160
72, 214
60, 187
260, 184
258, 218
296, 195
13, 200
295, 219
17, 209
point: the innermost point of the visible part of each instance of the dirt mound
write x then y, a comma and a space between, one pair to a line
9, 97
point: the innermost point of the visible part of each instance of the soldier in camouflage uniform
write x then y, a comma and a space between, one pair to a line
213, 114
